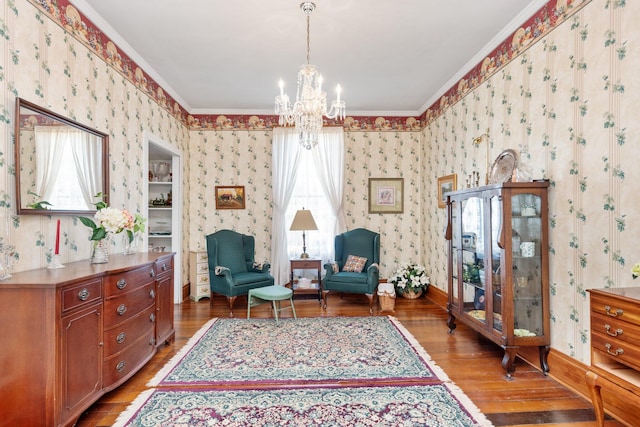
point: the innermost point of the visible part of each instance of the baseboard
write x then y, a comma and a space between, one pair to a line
186, 291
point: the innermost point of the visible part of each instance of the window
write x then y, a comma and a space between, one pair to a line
308, 194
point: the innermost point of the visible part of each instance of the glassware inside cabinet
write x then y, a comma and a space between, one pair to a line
527, 264
473, 240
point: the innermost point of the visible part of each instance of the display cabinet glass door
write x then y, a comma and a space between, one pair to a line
473, 252
526, 240
493, 265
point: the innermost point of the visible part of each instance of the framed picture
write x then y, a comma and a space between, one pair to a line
446, 183
230, 197
386, 195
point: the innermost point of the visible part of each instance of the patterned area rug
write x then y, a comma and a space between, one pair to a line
345, 371
306, 350
428, 405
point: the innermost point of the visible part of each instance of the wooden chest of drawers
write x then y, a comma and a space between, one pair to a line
614, 375
76, 333
199, 275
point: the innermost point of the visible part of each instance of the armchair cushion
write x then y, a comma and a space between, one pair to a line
354, 264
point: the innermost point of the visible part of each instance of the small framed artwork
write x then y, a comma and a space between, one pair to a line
446, 183
230, 197
386, 195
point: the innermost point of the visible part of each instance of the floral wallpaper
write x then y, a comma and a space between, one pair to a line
562, 87
570, 99
53, 63
244, 158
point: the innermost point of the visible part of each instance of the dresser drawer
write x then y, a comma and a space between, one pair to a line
616, 308
615, 329
305, 264
123, 335
201, 257
202, 279
121, 308
127, 281
164, 265
202, 268
81, 294
117, 367
616, 350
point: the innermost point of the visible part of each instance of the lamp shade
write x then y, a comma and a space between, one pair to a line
303, 221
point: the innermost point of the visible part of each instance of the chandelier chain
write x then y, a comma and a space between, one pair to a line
308, 39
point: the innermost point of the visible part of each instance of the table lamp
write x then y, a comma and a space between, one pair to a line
303, 221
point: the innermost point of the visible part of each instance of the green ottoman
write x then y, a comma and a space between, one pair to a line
275, 294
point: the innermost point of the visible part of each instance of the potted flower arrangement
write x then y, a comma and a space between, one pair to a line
410, 280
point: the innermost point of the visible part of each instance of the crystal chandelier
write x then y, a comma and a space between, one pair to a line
311, 101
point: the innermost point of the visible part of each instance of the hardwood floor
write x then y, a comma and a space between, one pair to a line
470, 360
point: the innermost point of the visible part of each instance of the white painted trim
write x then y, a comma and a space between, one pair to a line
176, 207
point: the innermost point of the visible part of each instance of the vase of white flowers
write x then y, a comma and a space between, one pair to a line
410, 280
109, 221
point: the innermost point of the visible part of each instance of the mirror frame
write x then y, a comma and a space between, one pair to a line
22, 103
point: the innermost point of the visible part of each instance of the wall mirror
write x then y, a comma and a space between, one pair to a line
61, 165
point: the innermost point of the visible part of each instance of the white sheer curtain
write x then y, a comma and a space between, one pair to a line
50, 146
311, 179
68, 162
87, 156
329, 161
285, 154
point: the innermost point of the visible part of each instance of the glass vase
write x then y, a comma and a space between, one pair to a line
99, 251
129, 247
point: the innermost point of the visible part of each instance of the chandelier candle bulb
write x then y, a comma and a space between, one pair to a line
338, 90
281, 84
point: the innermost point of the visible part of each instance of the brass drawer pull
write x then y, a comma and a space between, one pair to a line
152, 293
164, 267
152, 317
122, 309
615, 333
152, 273
120, 366
619, 312
618, 352
83, 295
121, 337
121, 284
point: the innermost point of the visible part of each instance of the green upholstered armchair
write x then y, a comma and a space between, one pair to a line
361, 243
232, 267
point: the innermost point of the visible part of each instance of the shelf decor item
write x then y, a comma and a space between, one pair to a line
410, 280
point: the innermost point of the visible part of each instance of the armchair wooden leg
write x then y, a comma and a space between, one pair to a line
231, 301
372, 298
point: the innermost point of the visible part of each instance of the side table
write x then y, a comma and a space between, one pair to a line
307, 264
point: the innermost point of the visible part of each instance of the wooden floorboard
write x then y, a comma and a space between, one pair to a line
472, 362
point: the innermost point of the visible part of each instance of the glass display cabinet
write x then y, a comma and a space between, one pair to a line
498, 265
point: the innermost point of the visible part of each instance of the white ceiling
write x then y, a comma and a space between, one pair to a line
391, 57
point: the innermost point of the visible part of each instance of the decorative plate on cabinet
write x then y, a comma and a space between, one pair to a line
503, 167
